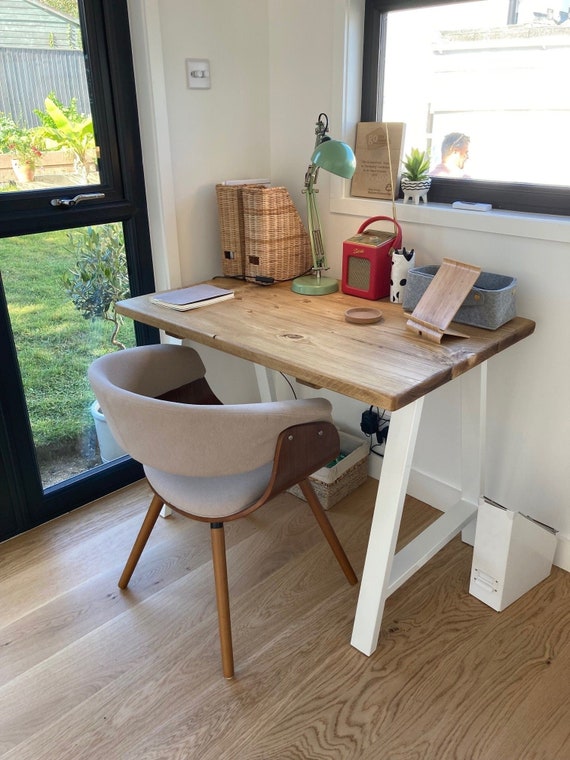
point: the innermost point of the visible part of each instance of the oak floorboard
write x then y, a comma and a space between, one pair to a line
286, 706
85, 667
176, 545
140, 677
45, 562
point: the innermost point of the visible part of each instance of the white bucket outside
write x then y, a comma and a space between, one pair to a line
109, 449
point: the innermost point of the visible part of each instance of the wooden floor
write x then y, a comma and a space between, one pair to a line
89, 672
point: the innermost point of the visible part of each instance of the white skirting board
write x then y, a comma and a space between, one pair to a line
443, 495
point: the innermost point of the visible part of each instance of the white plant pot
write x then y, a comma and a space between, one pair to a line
109, 449
415, 191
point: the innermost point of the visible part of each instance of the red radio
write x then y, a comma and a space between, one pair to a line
367, 260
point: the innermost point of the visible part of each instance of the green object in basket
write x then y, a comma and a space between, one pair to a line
334, 462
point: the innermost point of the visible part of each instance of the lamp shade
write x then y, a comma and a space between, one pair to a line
335, 157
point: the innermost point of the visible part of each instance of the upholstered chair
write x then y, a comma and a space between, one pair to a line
206, 460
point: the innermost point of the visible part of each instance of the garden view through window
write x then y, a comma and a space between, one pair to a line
47, 137
488, 76
61, 289
61, 282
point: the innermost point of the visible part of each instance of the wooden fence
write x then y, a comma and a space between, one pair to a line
29, 75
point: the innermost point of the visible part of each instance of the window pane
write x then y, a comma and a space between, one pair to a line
61, 288
46, 129
462, 69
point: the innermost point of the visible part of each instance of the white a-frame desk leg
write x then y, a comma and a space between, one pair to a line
374, 586
265, 383
384, 571
473, 438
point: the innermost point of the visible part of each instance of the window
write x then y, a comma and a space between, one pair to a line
491, 71
90, 164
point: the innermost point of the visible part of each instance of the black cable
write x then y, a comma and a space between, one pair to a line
290, 384
382, 418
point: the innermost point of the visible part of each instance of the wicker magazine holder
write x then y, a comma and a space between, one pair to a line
277, 246
230, 215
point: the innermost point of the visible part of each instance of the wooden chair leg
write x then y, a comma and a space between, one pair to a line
142, 538
222, 597
328, 530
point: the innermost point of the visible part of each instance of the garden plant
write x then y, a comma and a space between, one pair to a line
55, 343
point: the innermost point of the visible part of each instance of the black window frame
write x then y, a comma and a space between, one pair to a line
23, 501
524, 197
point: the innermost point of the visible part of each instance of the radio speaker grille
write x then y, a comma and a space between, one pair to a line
358, 273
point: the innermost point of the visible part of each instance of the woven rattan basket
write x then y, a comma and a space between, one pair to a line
230, 216
277, 246
334, 483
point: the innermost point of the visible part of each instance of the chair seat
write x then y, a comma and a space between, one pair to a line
212, 498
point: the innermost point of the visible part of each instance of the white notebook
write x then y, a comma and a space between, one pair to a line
192, 297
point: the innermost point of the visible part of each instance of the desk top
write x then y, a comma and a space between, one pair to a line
383, 364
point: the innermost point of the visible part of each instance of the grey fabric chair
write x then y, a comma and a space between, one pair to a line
209, 461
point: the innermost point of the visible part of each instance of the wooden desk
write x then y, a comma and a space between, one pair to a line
384, 365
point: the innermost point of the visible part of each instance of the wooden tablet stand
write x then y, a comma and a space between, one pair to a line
442, 300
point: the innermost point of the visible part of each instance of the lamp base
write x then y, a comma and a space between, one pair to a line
311, 285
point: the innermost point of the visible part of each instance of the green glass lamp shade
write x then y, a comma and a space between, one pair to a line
335, 157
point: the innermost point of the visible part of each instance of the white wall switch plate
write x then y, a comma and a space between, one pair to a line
198, 74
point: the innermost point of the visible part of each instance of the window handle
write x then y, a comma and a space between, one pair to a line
78, 199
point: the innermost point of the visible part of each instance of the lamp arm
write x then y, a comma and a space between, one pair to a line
311, 176
314, 223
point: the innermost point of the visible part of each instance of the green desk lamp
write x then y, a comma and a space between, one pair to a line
337, 158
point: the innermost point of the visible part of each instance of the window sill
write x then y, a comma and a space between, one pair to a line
516, 224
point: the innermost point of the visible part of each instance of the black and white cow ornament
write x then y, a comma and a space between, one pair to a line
402, 262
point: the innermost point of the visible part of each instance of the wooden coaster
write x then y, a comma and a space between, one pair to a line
363, 316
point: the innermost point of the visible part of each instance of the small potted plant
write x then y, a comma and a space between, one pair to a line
415, 180
25, 145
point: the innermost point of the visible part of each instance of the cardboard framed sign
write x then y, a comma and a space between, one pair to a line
378, 153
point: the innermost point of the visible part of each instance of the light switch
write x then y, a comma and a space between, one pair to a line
198, 73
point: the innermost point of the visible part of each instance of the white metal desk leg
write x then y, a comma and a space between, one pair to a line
473, 432
265, 383
392, 486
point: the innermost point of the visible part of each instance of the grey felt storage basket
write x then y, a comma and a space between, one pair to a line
489, 304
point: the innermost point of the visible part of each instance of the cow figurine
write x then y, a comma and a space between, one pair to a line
402, 261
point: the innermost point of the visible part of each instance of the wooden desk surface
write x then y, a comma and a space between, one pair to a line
307, 337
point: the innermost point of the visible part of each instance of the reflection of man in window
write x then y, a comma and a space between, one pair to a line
454, 154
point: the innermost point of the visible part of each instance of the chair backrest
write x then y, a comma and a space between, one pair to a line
188, 439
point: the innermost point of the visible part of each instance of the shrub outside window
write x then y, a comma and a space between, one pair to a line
481, 85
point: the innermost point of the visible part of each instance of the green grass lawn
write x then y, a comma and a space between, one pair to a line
55, 344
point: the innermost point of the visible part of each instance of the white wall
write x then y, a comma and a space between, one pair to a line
202, 136
275, 65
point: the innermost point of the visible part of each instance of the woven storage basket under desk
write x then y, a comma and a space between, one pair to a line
277, 246
230, 216
333, 484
